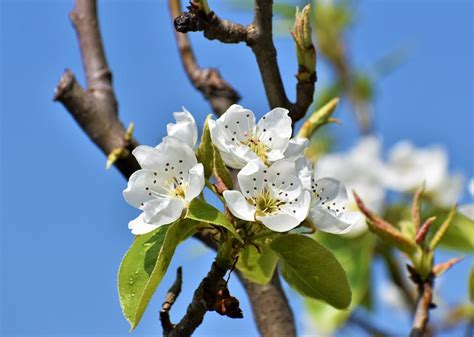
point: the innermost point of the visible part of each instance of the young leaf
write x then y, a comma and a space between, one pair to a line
355, 255
458, 236
220, 170
257, 267
145, 264
200, 211
386, 231
312, 270
205, 151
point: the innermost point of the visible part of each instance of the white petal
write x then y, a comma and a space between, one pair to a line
148, 157
228, 132
330, 192
327, 222
238, 206
162, 211
359, 227
409, 167
470, 187
236, 123
277, 120
251, 178
276, 144
143, 185
185, 127
449, 191
305, 171
196, 182
139, 226
283, 181
217, 135
280, 222
299, 207
233, 161
467, 211
175, 158
296, 147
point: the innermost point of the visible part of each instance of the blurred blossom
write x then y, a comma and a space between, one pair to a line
408, 167
468, 209
392, 296
361, 169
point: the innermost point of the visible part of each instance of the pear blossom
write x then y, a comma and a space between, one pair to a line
185, 127
468, 209
240, 140
271, 195
329, 206
409, 167
362, 170
169, 178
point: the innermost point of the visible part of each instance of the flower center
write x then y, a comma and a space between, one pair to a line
257, 147
265, 203
177, 189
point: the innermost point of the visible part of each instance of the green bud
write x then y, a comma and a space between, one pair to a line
319, 118
305, 51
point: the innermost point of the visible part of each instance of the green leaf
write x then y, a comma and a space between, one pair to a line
460, 234
205, 151
145, 264
312, 270
220, 170
200, 211
257, 267
355, 255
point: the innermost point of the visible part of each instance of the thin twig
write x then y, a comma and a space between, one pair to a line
171, 296
208, 81
201, 303
258, 36
266, 55
423, 306
95, 109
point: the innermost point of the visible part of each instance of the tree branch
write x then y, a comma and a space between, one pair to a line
208, 81
171, 296
95, 110
423, 306
99, 77
203, 300
258, 36
271, 310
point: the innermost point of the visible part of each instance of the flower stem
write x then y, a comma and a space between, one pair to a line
211, 187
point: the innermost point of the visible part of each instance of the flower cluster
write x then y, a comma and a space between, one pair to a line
277, 186
364, 170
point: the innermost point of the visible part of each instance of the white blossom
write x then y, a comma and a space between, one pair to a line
409, 167
240, 140
468, 209
185, 128
329, 206
169, 178
362, 170
271, 195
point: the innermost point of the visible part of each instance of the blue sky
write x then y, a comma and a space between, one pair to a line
63, 219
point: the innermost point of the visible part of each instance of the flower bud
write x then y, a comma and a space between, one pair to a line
305, 51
